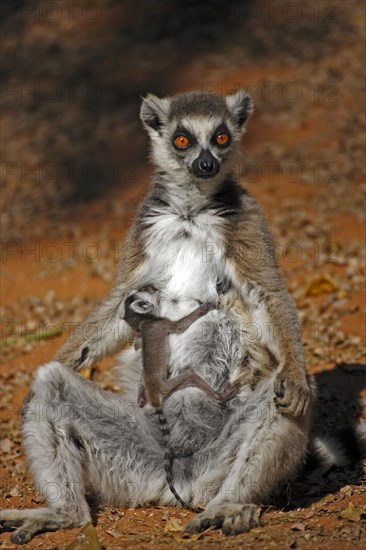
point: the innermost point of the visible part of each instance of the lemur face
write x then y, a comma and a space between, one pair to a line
197, 134
141, 306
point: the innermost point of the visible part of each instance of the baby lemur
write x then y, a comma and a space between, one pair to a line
142, 313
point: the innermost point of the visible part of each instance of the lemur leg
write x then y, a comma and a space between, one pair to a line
78, 437
190, 379
265, 451
56, 464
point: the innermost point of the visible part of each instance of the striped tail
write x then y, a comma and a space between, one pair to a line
169, 459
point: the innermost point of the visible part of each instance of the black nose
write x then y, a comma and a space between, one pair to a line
206, 165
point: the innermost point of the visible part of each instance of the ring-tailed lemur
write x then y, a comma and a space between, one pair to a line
195, 227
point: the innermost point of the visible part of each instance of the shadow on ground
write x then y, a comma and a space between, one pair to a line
337, 411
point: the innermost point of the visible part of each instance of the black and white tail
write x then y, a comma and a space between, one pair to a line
169, 458
339, 449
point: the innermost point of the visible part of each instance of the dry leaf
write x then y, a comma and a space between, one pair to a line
346, 491
85, 372
320, 284
6, 445
298, 527
14, 492
87, 539
186, 537
173, 525
352, 513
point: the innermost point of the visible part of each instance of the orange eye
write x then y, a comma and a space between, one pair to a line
181, 142
222, 139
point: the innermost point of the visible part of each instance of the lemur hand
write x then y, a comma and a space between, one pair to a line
292, 391
205, 308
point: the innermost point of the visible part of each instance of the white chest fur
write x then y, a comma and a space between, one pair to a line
185, 258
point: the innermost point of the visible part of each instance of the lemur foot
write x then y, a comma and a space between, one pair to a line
292, 392
231, 518
26, 523
229, 391
141, 398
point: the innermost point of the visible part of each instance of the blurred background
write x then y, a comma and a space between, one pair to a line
74, 164
73, 73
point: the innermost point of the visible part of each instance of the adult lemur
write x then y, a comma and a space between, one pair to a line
198, 237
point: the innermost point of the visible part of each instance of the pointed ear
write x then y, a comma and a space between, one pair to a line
154, 112
241, 106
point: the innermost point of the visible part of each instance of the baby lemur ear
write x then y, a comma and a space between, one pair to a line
241, 106
154, 112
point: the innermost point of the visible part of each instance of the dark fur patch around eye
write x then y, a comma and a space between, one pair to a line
222, 129
181, 131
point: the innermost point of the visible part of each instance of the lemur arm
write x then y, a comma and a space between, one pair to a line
254, 272
183, 324
104, 331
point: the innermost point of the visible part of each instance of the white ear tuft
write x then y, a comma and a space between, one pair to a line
241, 106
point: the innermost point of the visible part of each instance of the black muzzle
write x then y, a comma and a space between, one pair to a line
206, 165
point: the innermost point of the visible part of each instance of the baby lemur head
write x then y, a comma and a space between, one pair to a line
195, 136
141, 306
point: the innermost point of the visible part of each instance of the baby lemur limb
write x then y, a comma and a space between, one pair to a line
142, 314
